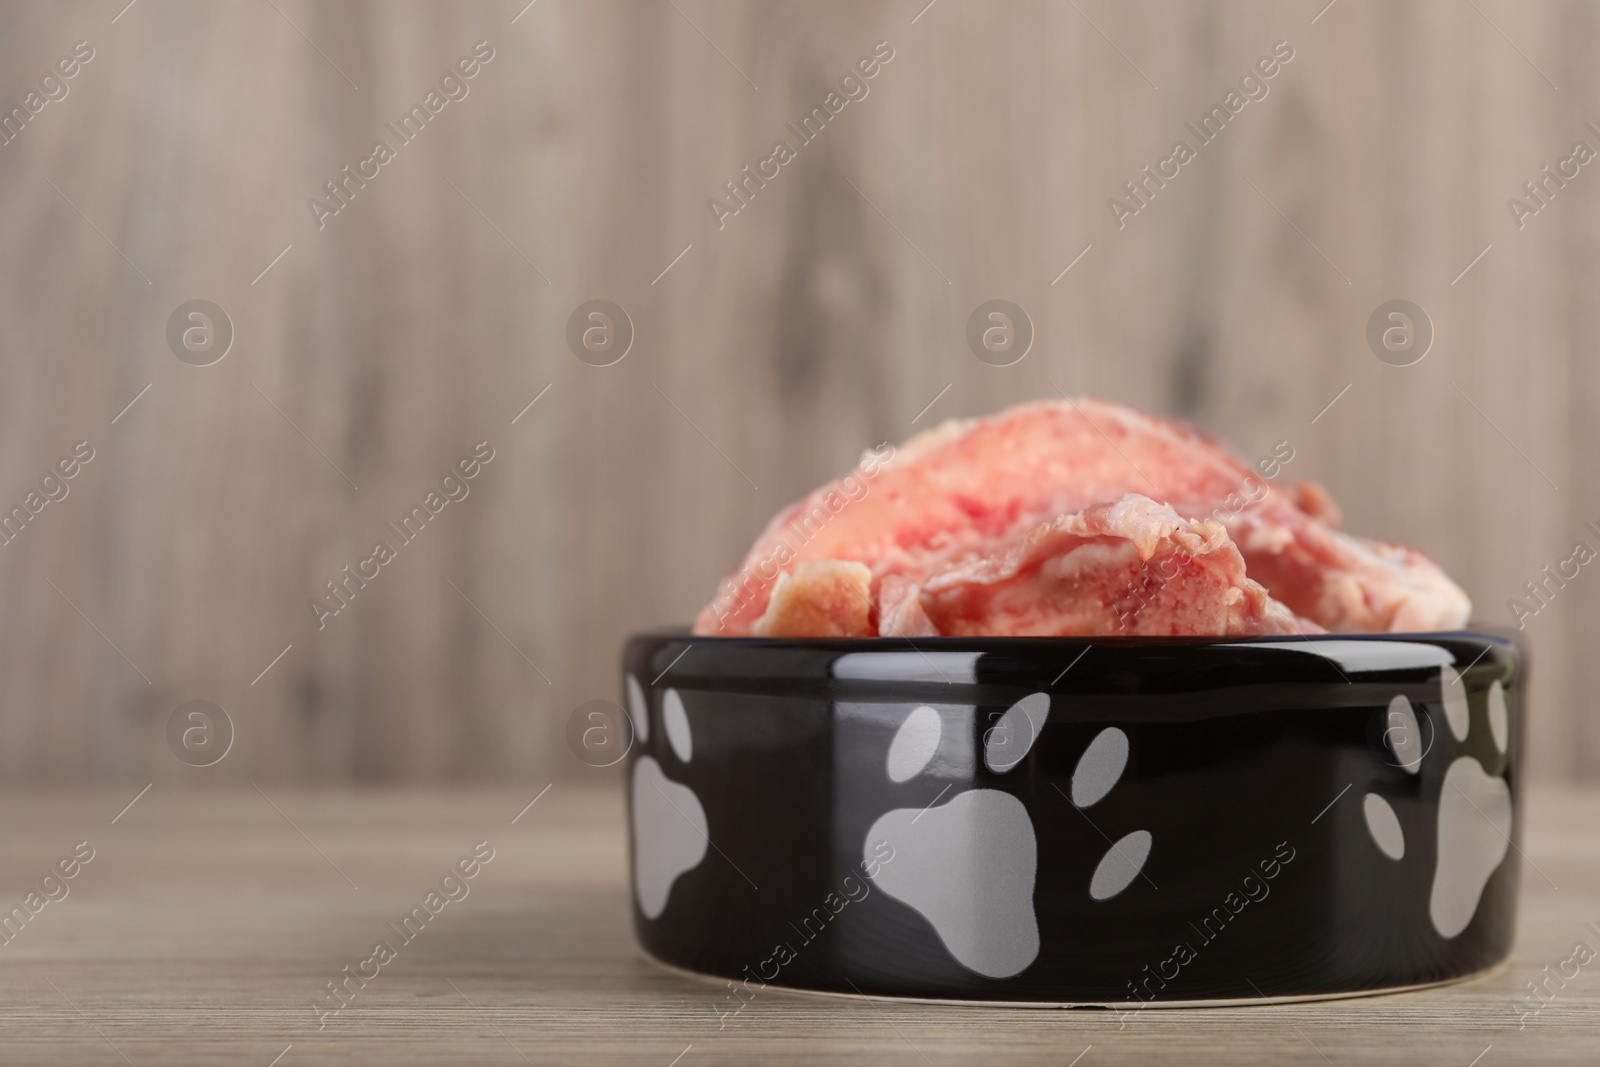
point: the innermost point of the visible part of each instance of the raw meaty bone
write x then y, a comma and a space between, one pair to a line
1129, 567
969, 490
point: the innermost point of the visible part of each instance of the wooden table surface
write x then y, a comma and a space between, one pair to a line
208, 922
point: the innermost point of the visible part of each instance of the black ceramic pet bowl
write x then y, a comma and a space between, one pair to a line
1117, 822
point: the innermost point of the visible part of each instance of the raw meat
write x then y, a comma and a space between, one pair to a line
1130, 567
1031, 521
819, 598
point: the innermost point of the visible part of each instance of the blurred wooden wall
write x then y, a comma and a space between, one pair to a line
820, 319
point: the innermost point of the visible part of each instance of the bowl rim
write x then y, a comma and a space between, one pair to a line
1502, 634
947, 668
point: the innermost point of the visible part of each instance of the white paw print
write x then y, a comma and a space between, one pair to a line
670, 833
1099, 770
1474, 803
968, 866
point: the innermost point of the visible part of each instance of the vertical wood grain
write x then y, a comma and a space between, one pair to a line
821, 319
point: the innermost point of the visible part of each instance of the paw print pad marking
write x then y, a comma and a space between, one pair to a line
1100, 767
1098, 771
1008, 742
670, 830
1474, 829
1454, 693
1404, 736
1384, 826
1499, 722
638, 710
967, 866
676, 720
1121, 865
914, 744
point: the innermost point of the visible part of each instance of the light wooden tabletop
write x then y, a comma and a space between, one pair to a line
207, 924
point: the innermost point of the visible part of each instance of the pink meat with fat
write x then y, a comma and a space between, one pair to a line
1129, 567
971, 491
